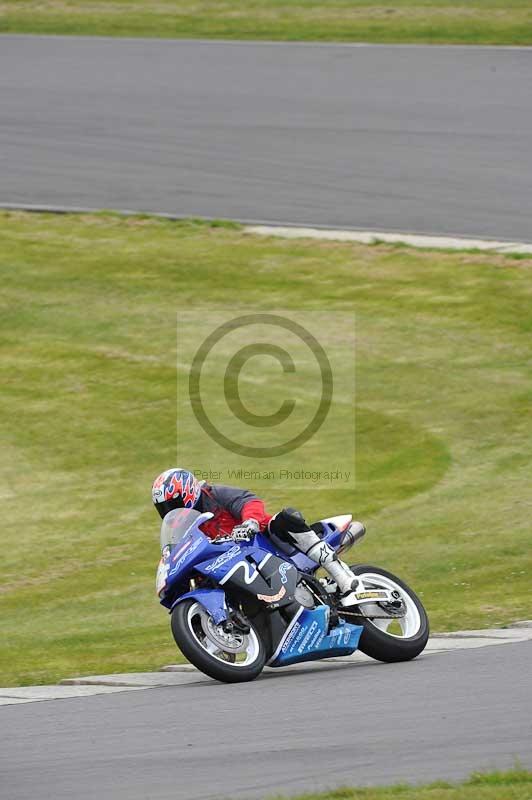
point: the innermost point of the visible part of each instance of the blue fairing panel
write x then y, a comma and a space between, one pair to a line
219, 567
306, 638
212, 600
194, 547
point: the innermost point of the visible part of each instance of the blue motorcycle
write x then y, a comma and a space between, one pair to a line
236, 607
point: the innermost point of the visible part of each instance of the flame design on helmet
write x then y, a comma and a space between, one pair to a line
175, 483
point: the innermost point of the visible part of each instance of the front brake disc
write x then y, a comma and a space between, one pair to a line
230, 642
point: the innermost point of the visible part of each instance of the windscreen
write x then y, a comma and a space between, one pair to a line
176, 524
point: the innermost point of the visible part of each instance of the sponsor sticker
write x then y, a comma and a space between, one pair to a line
181, 550
291, 636
194, 546
223, 558
372, 595
273, 598
308, 636
283, 569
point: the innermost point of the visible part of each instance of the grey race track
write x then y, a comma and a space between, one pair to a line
440, 716
429, 140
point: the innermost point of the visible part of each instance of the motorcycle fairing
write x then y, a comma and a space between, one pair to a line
193, 548
306, 638
281, 577
254, 570
212, 600
273, 581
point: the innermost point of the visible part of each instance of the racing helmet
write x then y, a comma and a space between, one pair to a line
175, 488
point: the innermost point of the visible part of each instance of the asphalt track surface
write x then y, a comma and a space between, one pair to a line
440, 716
421, 139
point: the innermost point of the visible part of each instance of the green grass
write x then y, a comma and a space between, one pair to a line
88, 408
507, 22
515, 784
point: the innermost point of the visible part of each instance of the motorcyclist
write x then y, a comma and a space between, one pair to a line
238, 514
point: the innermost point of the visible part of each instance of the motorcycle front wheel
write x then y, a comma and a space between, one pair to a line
391, 638
228, 657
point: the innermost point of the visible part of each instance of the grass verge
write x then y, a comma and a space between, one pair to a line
88, 409
501, 22
514, 784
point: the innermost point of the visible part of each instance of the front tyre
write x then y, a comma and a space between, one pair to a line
228, 657
391, 638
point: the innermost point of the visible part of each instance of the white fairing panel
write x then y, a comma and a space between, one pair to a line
341, 521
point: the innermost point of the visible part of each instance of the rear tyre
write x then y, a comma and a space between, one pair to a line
231, 658
391, 639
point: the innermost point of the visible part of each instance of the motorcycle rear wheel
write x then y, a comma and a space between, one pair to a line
412, 631
230, 658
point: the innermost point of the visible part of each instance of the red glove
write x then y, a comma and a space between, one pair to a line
255, 510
